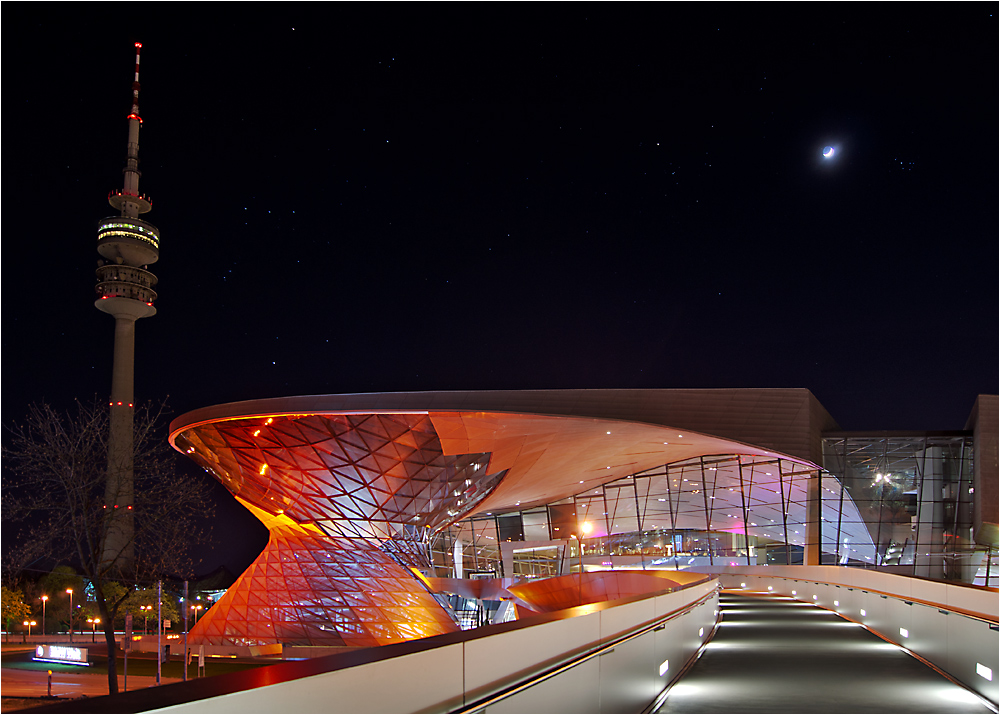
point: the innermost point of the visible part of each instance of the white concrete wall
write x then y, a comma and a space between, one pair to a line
445, 678
955, 643
626, 679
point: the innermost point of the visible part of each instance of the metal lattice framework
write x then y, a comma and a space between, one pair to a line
349, 501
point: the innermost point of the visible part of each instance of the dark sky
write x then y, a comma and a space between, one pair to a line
378, 197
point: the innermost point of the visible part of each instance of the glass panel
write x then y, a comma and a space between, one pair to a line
510, 527
622, 516
562, 521
540, 562
536, 525
591, 511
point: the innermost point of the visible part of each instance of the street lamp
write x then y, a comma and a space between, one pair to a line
70, 592
93, 624
44, 601
29, 624
585, 527
145, 614
196, 609
579, 551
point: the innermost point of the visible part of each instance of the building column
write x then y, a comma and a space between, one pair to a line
812, 551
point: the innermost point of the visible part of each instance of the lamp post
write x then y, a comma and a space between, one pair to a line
70, 592
44, 601
585, 527
93, 624
579, 550
196, 609
145, 614
579, 582
29, 624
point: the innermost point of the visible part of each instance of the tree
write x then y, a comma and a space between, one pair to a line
146, 598
54, 584
57, 493
14, 609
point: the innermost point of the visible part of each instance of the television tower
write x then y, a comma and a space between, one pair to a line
125, 290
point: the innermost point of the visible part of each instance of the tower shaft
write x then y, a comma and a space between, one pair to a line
119, 494
125, 291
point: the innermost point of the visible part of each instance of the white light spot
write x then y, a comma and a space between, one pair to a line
828, 151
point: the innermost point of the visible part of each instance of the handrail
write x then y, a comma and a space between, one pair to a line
587, 654
930, 579
986, 617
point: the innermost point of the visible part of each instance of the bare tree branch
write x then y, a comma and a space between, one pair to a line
56, 492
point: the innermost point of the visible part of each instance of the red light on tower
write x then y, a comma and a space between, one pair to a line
138, 44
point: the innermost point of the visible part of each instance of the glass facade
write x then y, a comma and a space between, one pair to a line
915, 497
899, 503
708, 510
362, 507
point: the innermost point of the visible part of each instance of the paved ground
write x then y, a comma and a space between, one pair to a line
22, 683
777, 655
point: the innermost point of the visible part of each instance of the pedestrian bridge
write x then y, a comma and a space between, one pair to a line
742, 639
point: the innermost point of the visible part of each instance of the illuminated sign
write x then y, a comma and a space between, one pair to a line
61, 654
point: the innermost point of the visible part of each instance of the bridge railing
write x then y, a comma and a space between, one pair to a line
952, 626
616, 657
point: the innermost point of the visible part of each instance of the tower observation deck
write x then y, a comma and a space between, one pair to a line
127, 246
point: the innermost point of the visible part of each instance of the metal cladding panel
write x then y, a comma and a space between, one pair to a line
559, 592
788, 420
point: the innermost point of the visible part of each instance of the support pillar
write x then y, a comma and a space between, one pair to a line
812, 551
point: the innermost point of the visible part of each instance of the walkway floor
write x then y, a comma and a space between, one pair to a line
777, 655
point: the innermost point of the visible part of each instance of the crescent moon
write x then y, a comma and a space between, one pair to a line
828, 152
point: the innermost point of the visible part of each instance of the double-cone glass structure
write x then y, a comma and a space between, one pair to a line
365, 495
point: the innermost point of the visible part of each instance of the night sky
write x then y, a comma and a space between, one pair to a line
377, 197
